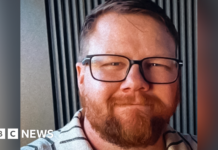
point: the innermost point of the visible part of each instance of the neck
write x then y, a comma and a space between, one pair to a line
98, 143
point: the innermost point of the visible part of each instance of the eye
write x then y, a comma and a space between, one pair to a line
115, 63
154, 64
112, 64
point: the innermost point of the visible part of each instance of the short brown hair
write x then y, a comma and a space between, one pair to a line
124, 7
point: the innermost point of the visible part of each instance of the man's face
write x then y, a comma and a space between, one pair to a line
119, 111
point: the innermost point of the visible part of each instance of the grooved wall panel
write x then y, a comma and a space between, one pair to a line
64, 20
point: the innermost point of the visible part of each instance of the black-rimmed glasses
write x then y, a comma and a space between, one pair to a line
115, 68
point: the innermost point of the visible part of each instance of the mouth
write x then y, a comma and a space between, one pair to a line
134, 106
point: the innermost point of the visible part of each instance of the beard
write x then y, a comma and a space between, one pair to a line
127, 129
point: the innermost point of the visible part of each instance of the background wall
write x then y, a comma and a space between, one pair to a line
36, 93
48, 57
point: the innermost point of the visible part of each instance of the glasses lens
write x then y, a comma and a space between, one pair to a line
160, 70
109, 68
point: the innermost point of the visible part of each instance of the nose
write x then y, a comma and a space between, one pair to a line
134, 81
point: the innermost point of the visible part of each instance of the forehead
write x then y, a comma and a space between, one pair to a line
133, 35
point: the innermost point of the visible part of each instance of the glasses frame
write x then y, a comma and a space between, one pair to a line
88, 58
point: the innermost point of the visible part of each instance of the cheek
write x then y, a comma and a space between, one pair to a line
98, 91
168, 93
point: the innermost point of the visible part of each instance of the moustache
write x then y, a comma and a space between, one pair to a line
152, 101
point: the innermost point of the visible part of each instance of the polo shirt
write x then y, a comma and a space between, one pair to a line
72, 137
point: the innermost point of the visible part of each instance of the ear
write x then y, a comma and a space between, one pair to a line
80, 75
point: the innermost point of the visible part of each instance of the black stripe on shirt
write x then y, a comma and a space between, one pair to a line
193, 138
51, 142
59, 130
185, 140
71, 129
174, 143
35, 147
53, 147
169, 131
70, 140
76, 117
164, 135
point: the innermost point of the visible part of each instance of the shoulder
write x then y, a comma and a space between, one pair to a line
70, 136
175, 140
46, 143
190, 140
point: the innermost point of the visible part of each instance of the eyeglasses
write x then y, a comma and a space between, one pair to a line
115, 68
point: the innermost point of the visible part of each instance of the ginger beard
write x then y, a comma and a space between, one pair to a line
131, 127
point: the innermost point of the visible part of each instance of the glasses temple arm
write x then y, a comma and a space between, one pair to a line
85, 61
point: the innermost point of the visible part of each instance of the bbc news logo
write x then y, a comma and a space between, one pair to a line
2, 133
13, 133
36, 133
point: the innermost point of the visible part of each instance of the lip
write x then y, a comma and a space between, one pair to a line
136, 105
132, 106
132, 109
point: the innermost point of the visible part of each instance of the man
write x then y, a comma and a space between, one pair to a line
128, 78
